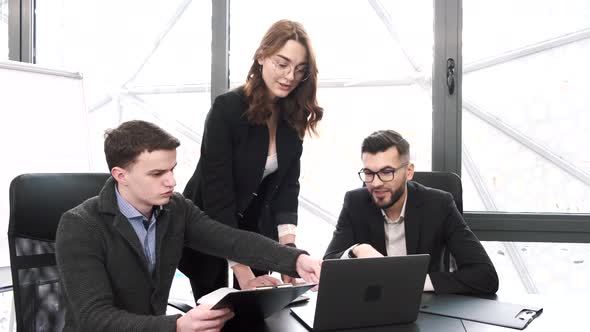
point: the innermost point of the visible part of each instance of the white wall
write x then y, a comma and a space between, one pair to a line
43, 128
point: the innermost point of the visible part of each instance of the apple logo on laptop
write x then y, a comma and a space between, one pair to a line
372, 293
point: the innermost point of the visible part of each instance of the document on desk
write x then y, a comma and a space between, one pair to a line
215, 296
480, 310
254, 304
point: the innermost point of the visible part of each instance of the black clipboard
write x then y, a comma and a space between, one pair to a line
260, 303
476, 309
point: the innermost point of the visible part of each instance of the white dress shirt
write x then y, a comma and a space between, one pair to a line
395, 239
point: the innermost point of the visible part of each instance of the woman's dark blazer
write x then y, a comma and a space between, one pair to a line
229, 175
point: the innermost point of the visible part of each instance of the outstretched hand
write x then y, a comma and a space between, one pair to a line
261, 281
309, 268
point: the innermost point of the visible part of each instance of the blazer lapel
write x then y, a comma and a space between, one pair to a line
257, 151
286, 146
412, 220
376, 225
124, 228
163, 220
108, 205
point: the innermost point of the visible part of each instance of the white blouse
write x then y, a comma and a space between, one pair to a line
272, 164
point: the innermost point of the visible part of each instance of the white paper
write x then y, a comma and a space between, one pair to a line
215, 296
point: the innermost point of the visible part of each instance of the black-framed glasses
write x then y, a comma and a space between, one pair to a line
283, 68
385, 175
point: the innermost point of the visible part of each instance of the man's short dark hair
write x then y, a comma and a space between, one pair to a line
382, 140
125, 143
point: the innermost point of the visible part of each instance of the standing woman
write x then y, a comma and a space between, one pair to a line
248, 173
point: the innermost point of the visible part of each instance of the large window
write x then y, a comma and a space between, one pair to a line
524, 115
140, 60
525, 121
525, 106
3, 30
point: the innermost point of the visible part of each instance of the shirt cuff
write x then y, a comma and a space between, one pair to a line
428, 287
345, 254
286, 229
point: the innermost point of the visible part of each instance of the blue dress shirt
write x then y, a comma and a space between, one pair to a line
146, 235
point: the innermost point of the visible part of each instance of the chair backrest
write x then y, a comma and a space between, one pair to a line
447, 181
37, 202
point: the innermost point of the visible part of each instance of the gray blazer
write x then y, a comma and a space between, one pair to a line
105, 275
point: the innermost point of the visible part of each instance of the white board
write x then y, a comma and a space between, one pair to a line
43, 128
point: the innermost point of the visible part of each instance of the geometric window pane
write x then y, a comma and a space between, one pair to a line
525, 106
569, 262
6, 305
140, 60
3, 30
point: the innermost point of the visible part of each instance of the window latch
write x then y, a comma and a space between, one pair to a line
451, 75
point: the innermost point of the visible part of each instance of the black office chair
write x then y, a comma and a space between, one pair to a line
451, 183
447, 181
37, 202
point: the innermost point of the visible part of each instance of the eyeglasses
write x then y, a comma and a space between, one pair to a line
283, 68
385, 175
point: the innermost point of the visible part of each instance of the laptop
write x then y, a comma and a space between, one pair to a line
365, 292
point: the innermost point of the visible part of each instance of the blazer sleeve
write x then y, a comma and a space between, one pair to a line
81, 265
213, 238
287, 199
475, 272
219, 197
343, 236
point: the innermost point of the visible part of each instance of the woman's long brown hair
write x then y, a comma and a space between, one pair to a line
300, 107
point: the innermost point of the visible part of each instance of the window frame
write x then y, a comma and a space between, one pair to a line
21, 22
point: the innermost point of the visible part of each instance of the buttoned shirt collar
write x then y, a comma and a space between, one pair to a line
402, 214
130, 212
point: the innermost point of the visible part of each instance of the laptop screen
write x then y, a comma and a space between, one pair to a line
365, 292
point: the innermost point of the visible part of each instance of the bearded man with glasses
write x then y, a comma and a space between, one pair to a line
393, 216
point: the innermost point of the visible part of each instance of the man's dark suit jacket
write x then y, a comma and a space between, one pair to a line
105, 275
432, 223
228, 179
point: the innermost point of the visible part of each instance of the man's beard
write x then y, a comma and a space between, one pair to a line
395, 196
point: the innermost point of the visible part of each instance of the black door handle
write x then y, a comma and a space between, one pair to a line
451, 75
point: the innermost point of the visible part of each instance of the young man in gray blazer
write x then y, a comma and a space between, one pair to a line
117, 252
395, 216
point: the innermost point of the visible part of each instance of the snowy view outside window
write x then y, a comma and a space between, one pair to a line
525, 121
